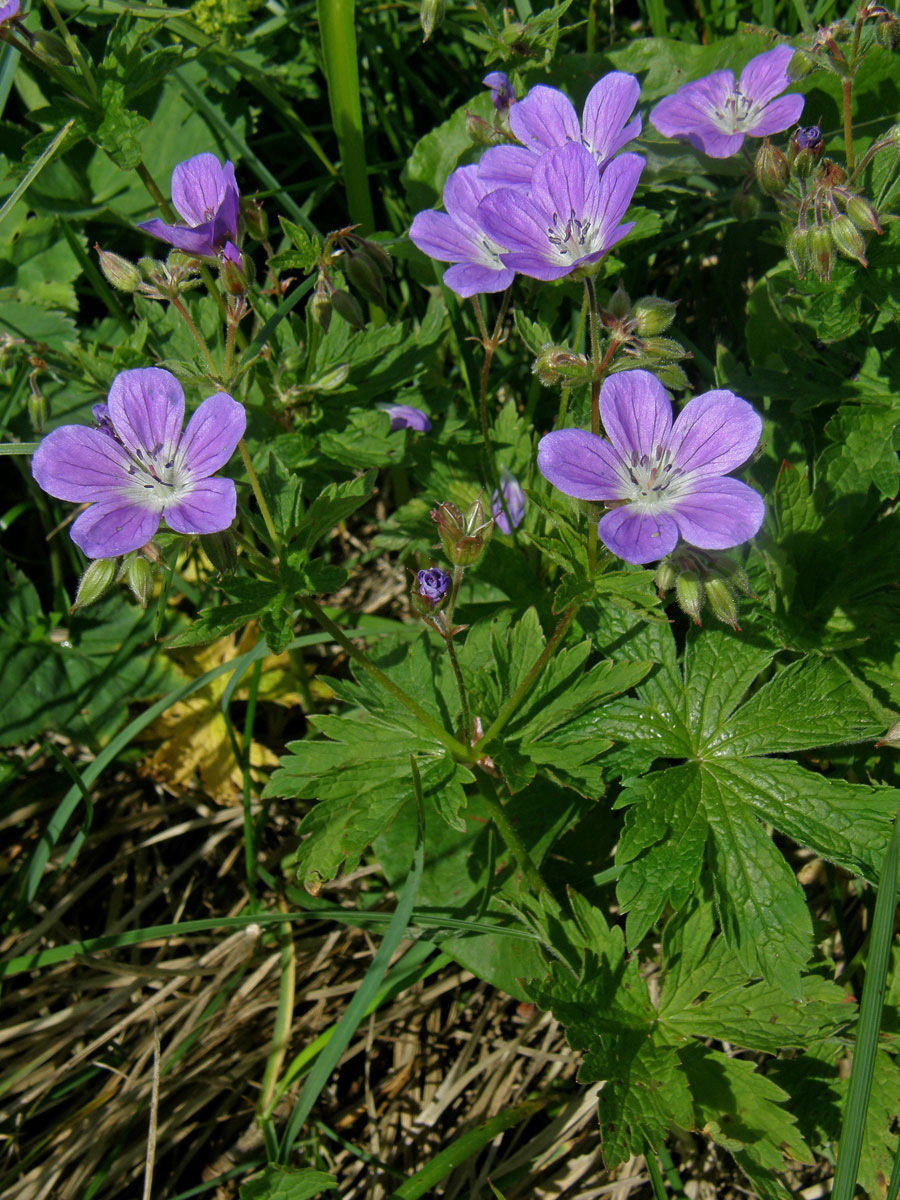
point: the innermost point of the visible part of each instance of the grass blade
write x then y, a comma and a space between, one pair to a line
860, 1087
347, 1025
32, 173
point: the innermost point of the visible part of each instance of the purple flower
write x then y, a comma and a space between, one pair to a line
206, 197
570, 217
457, 237
502, 93
545, 119
404, 416
515, 503
434, 584
714, 113
138, 466
8, 11
666, 480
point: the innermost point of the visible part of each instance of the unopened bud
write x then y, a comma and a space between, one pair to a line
620, 303
95, 581
670, 375
481, 132
773, 172
431, 13
254, 216
652, 315
798, 250
821, 251
841, 30
848, 240
319, 307
464, 535
379, 256
689, 594
330, 379
863, 215
347, 309
722, 601
38, 408
362, 273
745, 205
887, 31
804, 161
121, 273
665, 578
232, 271
433, 587
736, 575
560, 365
800, 65
139, 577
221, 551
662, 348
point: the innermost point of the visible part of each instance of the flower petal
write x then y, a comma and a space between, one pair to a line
766, 75
438, 235
638, 537
212, 435
636, 413
779, 115
112, 527
197, 241
507, 166
609, 105
581, 465
566, 182
716, 144
515, 218
146, 407
714, 433
80, 464
719, 513
616, 189
404, 416
225, 222
209, 508
199, 185
471, 279
544, 118
690, 108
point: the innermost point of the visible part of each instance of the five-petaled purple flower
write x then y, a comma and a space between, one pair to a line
714, 113
434, 584
205, 195
545, 118
139, 467
456, 236
404, 416
570, 217
515, 503
667, 480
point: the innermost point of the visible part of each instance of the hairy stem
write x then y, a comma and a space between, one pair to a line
463, 698
508, 832
456, 748
198, 338
260, 498
847, 90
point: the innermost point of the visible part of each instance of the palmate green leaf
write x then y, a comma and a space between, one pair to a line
863, 452
706, 813
305, 251
337, 502
287, 1183
744, 1112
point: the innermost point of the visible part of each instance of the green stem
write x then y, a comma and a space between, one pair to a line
847, 90
250, 839
155, 194
458, 573
509, 708
507, 831
260, 498
298, 662
198, 338
869, 155
463, 698
490, 344
283, 1016
456, 748
594, 314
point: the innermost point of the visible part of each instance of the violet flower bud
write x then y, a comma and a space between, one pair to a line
434, 586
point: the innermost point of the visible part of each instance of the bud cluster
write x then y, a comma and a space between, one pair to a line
149, 276
366, 267
832, 219
702, 578
101, 573
635, 329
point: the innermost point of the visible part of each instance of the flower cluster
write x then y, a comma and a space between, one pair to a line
546, 206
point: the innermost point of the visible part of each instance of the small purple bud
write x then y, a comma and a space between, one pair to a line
434, 584
502, 93
808, 137
404, 416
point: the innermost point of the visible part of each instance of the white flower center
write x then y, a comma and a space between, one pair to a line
572, 240
158, 479
652, 483
738, 114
